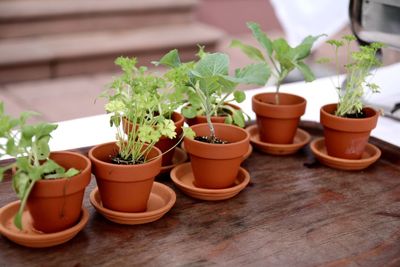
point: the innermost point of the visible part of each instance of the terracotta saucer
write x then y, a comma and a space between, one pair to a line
161, 200
370, 155
183, 178
245, 156
29, 237
300, 140
179, 157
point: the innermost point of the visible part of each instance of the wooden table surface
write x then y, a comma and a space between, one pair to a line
289, 215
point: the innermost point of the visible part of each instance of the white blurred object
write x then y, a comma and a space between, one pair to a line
300, 18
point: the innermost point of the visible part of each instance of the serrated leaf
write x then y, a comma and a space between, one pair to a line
306, 71
261, 37
239, 96
171, 59
251, 51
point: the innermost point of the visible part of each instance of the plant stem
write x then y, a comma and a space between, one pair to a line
18, 216
277, 93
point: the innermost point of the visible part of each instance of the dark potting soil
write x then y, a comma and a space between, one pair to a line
359, 115
207, 139
121, 161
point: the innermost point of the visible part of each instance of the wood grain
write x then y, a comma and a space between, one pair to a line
289, 215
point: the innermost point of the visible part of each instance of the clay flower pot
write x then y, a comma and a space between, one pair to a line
56, 204
277, 124
124, 188
216, 166
214, 119
165, 144
346, 137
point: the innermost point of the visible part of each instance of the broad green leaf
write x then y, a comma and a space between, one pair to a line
189, 112
189, 133
18, 220
43, 149
261, 37
44, 129
238, 118
10, 147
71, 172
306, 71
228, 119
251, 51
21, 183
281, 46
239, 96
253, 74
27, 131
212, 65
171, 59
303, 50
51, 166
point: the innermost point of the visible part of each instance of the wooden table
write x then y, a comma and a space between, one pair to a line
289, 215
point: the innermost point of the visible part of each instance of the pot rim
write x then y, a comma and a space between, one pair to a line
87, 169
223, 125
254, 98
345, 118
92, 157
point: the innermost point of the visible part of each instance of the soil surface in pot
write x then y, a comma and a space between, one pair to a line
121, 161
207, 139
359, 115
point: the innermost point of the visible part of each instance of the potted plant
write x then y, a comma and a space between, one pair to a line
125, 169
218, 148
50, 184
278, 114
166, 99
220, 97
348, 123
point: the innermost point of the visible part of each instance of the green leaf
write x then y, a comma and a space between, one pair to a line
212, 65
306, 71
228, 119
253, 74
21, 183
189, 133
239, 96
251, 51
189, 112
261, 37
238, 118
71, 172
303, 50
171, 59
43, 149
10, 147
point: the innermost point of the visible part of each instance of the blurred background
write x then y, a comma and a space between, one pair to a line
57, 56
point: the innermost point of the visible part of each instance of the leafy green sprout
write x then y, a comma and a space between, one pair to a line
358, 67
135, 97
29, 145
209, 87
279, 54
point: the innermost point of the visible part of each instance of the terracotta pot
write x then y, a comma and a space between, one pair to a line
124, 188
277, 124
165, 144
214, 119
216, 165
346, 137
56, 204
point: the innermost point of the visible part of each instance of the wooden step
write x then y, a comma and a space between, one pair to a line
37, 17
70, 54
